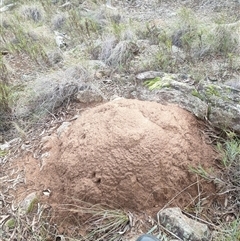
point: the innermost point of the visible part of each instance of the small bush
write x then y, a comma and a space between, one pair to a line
82, 29
33, 12
5, 111
58, 21
223, 40
23, 41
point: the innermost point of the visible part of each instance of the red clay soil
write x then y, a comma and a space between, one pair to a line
128, 153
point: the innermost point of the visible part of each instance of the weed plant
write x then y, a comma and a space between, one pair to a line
5, 111
24, 43
230, 231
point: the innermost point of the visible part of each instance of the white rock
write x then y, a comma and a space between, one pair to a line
5, 146
60, 39
7, 7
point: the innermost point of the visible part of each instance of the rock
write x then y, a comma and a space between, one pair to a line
27, 204
148, 75
235, 83
182, 226
60, 39
89, 95
63, 128
5, 146
216, 102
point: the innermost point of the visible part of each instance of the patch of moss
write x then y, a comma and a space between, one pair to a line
32, 205
11, 223
157, 83
197, 94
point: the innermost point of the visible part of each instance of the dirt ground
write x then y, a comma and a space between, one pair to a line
126, 153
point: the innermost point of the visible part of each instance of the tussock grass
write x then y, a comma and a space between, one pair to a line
5, 112
230, 231
21, 40
58, 21
93, 222
5, 96
32, 12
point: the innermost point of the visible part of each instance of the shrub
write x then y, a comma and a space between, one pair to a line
58, 21
33, 12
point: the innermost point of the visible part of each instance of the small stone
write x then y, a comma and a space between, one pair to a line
99, 74
27, 204
89, 96
182, 226
149, 75
63, 128
4, 147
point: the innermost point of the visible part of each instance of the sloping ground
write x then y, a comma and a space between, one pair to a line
128, 153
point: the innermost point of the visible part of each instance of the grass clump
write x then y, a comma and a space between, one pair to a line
23, 42
187, 34
58, 21
4, 97
33, 12
83, 29
230, 231
5, 93
230, 151
107, 224
99, 222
